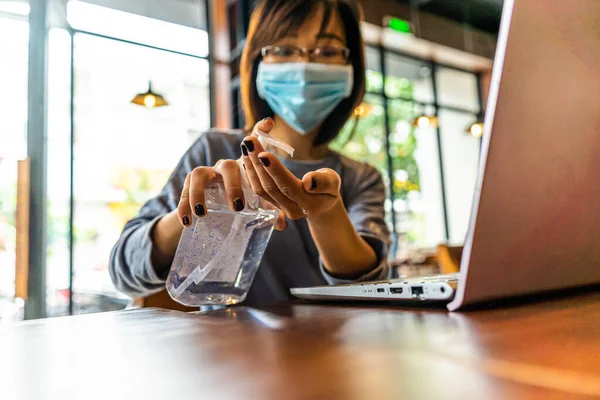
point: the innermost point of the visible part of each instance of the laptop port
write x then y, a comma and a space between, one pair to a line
416, 290
380, 290
396, 290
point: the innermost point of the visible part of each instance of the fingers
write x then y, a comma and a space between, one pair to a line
183, 208
199, 178
232, 181
263, 184
322, 181
265, 125
286, 182
193, 200
248, 147
281, 222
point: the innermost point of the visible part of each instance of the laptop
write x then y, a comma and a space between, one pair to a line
535, 220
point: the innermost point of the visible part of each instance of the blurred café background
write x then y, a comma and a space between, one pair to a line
100, 98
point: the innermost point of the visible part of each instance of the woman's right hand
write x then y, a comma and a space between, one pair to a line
193, 199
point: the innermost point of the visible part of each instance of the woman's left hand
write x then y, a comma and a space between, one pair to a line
314, 195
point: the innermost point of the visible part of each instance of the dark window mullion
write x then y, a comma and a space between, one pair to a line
386, 122
439, 149
71, 171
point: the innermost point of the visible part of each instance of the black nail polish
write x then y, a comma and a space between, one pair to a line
244, 150
249, 144
199, 208
186, 220
264, 161
238, 205
313, 183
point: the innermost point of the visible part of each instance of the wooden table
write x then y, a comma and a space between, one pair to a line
543, 350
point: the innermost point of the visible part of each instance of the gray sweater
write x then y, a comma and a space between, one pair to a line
291, 258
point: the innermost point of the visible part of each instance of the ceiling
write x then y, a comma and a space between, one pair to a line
481, 14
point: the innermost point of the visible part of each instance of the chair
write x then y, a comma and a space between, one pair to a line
449, 258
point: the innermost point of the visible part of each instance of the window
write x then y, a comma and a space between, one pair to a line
408, 79
14, 36
141, 29
428, 202
363, 138
58, 172
122, 153
125, 153
457, 89
461, 158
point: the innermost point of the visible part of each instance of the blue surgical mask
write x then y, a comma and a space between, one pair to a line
304, 94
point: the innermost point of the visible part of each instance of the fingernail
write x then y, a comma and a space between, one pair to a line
313, 183
244, 150
264, 119
264, 161
238, 205
250, 145
199, 208
186, 220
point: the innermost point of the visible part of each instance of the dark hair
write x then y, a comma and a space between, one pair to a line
273, 20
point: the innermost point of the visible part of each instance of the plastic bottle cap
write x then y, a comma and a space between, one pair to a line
265, 138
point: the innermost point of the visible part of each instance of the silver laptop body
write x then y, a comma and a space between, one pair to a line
535, 221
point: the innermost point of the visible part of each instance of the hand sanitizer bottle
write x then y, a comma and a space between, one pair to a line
219, 254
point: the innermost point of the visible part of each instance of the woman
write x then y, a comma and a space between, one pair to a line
302, 74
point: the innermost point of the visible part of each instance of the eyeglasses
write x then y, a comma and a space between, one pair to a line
327, 55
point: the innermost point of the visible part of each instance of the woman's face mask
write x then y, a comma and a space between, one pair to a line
304, 94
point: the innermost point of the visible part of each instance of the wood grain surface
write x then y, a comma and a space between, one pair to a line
543, 350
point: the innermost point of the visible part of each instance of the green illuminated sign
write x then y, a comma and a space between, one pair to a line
400, 25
